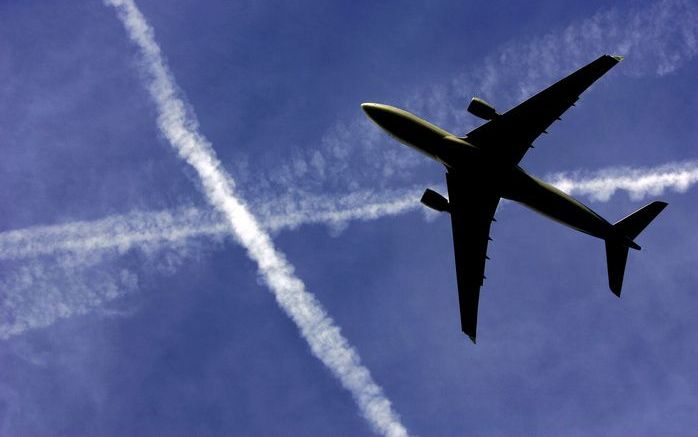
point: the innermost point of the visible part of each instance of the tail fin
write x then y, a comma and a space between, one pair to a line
616, 256
622, 238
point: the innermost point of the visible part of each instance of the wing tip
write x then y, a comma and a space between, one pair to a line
618, 58
472, 338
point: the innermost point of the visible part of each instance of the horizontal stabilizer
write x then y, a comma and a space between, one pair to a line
632, 225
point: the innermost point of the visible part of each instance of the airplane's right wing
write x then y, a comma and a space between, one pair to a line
513, 132
472, 208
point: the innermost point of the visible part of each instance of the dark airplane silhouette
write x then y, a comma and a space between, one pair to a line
482, 168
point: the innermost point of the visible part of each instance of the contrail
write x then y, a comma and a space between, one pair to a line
638, 182
151, 231
658, 38
319, 330
39, 293
154, 230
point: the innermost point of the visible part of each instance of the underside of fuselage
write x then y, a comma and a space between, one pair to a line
419, 134
555, 204
508, 180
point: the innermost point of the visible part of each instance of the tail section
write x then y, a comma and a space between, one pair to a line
624, 232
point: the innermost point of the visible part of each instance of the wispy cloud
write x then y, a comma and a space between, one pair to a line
81, 268
181, 130
657, 38
37, 294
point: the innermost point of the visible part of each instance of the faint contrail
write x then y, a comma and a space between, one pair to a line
37, 293
657, 38
157, 230
320, 331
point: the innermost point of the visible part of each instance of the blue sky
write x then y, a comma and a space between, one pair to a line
183, 337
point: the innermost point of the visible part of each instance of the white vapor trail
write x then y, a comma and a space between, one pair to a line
319, 330
638, 182
658, 37
152, 231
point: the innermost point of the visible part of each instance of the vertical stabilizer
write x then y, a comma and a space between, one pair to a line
616, 256
621, 240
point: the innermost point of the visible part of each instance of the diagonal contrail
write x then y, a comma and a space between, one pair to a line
659, 38
319, 330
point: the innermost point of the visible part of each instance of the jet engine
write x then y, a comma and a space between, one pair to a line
482, 109
435, 201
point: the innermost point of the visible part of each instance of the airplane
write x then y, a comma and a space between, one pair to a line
483, 167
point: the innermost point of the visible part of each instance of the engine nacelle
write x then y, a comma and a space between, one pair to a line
435, 201
482, 109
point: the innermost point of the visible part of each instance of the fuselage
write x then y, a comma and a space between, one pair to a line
512, 181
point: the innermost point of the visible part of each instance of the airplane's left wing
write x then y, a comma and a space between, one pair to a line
472, 208
513, 132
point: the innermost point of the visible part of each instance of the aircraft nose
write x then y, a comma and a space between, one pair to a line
371, 109
376, 111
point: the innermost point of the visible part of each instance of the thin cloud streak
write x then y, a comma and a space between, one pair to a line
180, 128
151, 231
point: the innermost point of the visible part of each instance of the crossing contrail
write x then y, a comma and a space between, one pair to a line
36, 299
322, 334
155, 230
